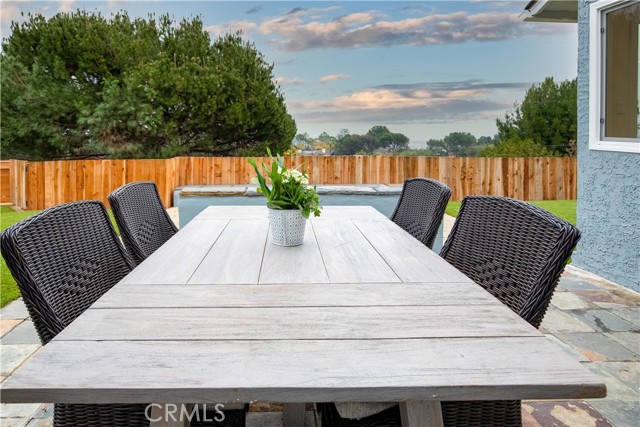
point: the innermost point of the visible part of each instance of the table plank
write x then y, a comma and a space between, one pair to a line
297, 264
259, 212
349, 212
301, 370
347, 255
300, 295
236, 256
176, 260
409, 258
302, 323
232, 212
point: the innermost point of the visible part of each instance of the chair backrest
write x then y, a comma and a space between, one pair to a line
63, 259
421, 208
143, 222
513, 249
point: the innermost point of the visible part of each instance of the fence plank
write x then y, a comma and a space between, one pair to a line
39, 185
5, 181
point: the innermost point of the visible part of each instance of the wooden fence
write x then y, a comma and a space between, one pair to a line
5, 181
39, 185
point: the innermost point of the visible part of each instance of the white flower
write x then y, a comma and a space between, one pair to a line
295, 176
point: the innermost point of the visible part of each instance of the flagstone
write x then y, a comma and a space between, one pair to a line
597, 347
12, 356
25, 333
605, 299
566, 413
616, 388
630, 314
621, 413
558, 321
568, 349
19, 410
14, 310
569, 283
630, 340
604, 321
571, 301
6, 325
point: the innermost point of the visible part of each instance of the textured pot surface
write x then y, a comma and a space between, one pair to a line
287, 227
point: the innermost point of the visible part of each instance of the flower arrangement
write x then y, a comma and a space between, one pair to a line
289, 189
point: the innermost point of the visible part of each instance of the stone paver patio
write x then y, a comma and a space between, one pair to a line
596, 321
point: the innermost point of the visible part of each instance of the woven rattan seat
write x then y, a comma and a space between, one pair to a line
63, 259
517, 252
143, 222
421, 208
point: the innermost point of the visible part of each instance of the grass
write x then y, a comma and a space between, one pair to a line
8, 287
565, 209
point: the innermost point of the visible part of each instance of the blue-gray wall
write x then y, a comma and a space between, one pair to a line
608, 191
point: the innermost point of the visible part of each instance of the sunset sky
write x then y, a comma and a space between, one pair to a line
423, 68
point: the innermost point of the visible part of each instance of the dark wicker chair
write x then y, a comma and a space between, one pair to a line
63, 259
517, 252
143, 222
421, 208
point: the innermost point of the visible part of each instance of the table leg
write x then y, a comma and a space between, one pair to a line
293, 414
425, 413
169, 415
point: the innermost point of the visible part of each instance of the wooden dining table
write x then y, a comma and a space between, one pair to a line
360, 312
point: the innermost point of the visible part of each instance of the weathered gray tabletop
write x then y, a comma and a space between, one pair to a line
360, 312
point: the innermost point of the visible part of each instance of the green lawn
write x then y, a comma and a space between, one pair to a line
8, 288
565, 209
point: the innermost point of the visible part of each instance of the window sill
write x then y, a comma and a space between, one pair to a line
615, 146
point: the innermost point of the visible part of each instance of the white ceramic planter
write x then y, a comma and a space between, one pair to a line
287, 227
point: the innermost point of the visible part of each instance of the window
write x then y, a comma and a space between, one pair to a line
614, 79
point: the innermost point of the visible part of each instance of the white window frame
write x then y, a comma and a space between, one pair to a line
596, 83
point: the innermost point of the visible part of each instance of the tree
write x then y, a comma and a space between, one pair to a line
327, 141
81, 85
547, 116
517, 147
459, 144
349, 144
384, 138
303, 141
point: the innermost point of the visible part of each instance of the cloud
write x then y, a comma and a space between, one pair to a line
14, 10
303, 29
290, 80
333, 77
451, 111
449, 86
295, 11
426, 102
66, 5
10, 12
254, 9
232, 27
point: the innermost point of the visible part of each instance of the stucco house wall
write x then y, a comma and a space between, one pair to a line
608, 191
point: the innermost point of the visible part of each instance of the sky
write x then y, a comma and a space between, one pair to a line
422, 68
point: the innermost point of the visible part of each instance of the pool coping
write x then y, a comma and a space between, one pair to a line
249, 190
